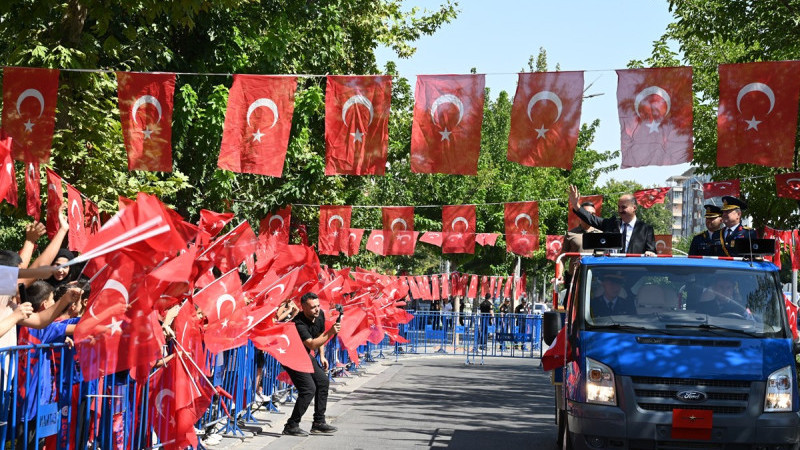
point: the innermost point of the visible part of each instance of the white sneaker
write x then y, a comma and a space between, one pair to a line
215, 438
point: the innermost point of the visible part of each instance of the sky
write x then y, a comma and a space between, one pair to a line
498, 36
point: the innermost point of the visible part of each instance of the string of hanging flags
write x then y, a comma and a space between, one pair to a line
756, 120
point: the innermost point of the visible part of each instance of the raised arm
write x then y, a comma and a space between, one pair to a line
33, 231
44, 318
49, 254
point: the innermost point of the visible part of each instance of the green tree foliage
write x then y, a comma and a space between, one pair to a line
272, 37
710, 33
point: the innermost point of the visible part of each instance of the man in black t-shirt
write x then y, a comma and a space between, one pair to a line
311, 386
487, 311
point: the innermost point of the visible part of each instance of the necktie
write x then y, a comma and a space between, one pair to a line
624, 237
727, 234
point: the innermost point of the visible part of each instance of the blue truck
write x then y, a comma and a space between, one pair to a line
689, 353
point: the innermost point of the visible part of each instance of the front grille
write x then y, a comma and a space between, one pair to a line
729, 397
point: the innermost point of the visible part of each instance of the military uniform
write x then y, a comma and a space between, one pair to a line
703, 243
724, 239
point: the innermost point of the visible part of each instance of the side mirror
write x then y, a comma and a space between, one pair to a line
551, 325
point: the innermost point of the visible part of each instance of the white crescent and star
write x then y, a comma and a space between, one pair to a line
281, 286
522, 216
266, 103
336, 217
555, 246
401, 222
793, 183
353, 236
459, 219
661, 241
38, 96
543, 96
646, 92
286, 338
379, 236
72, 207
221, 301
160, 398
114, 285
360, 100
141, 101
115, 326
455, 101
752, 124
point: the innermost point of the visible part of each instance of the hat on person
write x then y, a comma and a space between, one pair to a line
712, 211
616, 277
729, 203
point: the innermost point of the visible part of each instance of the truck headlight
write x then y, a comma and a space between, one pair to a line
600, 383
779, 391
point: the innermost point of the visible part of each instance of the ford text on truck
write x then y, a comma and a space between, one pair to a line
705, 360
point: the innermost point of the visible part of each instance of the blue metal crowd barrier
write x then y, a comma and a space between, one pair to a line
44, 401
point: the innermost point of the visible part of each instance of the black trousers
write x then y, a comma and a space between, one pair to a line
310, 386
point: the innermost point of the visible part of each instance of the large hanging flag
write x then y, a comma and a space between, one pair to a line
446, 132
757, 115
788, 185
573, 220
258, 120
655, 116
432, 237
458, 229
55, 198
77, 219
521, 221
276, 224
333, 220
720, 188
8, 180
29, 111
33, 200
376, 242
213, 222
357, 124
350, 240
145, 109
646, 198
546, 119
398, 227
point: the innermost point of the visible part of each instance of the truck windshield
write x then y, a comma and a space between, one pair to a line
683, 300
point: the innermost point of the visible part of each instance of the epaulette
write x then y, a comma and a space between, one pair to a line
746, 228
700, 233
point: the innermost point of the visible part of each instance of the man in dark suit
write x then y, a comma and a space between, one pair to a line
724, 239
637, 236
703, 243
609, 302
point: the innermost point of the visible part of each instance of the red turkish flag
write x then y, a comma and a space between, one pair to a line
472, 292
484, 286
413, 287
445, 286
258, 121
795, 250
33, 201
432, 237
757, 115
213, 222
400, 242
221, 299
8, 180
435, 292
398, 218
355, 328
230, 249
655, 116
791, 312
458, 228
546, 119
284, 344
507, 287
375, 242
91, 217
332, 220
521, 221
492, 286
350, 240
720, 188
486, 238
663, 244
357, 124
648, 197
446, 132
55, 198
276, 224
77, 219
29, 111
788, 185
573, 220
554, 246
145, 109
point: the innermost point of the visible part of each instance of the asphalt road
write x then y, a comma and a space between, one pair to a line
438, 402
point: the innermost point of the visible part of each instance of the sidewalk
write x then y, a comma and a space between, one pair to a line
433, 401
